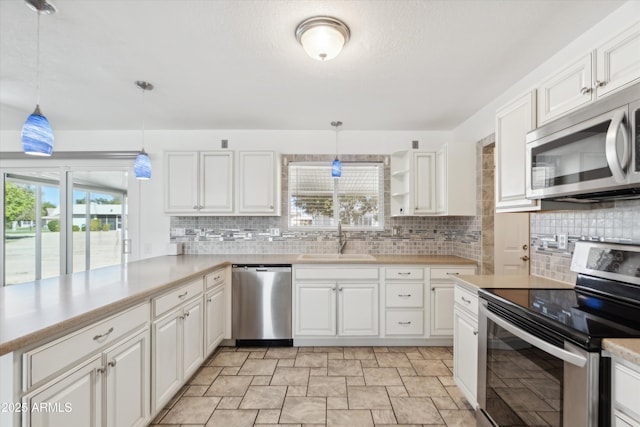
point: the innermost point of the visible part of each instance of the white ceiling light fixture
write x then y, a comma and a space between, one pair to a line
142, 165
322, 37
37, 135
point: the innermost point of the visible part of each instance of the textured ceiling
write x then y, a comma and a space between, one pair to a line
235, 64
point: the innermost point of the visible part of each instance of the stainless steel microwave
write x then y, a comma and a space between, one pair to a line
590, 155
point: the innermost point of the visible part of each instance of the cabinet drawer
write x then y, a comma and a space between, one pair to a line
404, 294
627, 384
44, 361
446, 273
466, 300
405, 322
336, 273
215, 278
176, 297
406, 273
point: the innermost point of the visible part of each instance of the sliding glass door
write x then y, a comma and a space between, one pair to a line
62, 221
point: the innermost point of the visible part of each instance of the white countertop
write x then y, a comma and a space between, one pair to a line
32, 312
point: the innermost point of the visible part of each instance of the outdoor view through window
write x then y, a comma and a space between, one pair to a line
33, 220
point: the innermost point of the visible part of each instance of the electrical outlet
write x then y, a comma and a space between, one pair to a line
562, 241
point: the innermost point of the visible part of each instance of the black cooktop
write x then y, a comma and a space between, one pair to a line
583, 317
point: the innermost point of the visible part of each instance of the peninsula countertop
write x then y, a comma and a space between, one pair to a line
475, 282
32, 312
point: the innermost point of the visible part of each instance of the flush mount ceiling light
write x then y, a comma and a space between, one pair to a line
37, 135
322, 37
142, 165
336, 166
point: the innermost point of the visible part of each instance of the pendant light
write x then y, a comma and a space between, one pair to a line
142, 165
322, 37
336, 166
37, 136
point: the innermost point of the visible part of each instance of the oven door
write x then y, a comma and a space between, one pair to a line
526, 380
592, 156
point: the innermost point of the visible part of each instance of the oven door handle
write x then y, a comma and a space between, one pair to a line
560, 353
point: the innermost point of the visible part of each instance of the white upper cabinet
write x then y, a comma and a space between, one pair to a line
439, 181
513, 121
611, 66
618, 61
259, 183
568, 89
206, 183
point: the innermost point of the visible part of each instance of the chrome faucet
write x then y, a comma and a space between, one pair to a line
342, 239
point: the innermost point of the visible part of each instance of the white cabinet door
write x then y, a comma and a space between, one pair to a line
216, 182
441, 181
214, 318
566, 90
512, 124
357, 309
257, 183
424, 184
465, 355
618, 61
181, 185
128, 383
74, 399
167, 358
441, 309
315, 309
193, 338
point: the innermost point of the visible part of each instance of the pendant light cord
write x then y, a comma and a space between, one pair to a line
143, 109
38, 60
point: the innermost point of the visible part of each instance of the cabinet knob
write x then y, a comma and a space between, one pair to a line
270, 206
524, 258
525, 247
475, 332
340, 289
208, 299
186, 314
112, 363
585, 90
195, 207
101, 370
598, 83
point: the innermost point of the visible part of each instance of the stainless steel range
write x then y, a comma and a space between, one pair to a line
541, 361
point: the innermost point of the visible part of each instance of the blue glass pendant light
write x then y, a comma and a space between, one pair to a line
37, 136
142, 165
336, 166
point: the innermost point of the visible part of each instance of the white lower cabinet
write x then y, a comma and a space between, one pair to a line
214, 318
178, 340
110, 389
441, 323
344, 305
625, 386
465, 343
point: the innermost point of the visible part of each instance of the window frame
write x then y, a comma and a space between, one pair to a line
336, 210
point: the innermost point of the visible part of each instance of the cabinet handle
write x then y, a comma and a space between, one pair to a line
270, 206
186, 315
209, 299
524, 258
216, 278
404, 323
112, 363
475, 332
97, 337
452, 274
404, 295
181, 317
433, 289
585, 90
468, 301
340, 289
333, 289
402, 273
195, 207
598, 83
101, 370
183, 295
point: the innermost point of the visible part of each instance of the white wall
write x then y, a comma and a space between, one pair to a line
153, 223
482, 123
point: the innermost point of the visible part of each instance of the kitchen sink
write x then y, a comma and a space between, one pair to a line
336, 257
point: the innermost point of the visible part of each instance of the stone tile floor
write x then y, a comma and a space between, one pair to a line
352, 386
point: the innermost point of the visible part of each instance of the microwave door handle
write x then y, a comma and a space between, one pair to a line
616, 128
560, 353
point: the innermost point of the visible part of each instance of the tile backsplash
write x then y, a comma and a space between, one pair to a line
612, 222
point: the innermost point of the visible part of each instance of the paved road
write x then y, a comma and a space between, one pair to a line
20, 254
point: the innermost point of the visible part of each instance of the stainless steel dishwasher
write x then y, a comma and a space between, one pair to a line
261, 304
